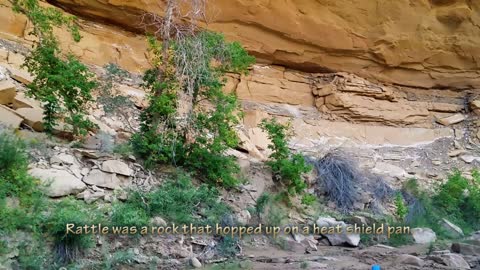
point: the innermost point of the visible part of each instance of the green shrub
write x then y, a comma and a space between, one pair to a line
460, 193
456, 193
69, 246
17, 185
62, 84
123, 149
261, 205
33, 256
308, 199
228, 246
196, 138
285, 166
130, 215
401, 209
179, 201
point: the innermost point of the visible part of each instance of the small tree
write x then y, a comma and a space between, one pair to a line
61, 83
188, 69
286, 166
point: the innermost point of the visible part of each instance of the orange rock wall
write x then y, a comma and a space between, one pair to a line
420, 43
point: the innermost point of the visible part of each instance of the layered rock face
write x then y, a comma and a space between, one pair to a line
344, 96
416, 43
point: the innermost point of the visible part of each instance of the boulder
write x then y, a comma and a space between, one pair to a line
475, 236
22, 101
409, 260
384, 168
469, 158
64, 159
451, 120
9, 118
3, 73
243, 217
423, 235
3, 55
338, 239
16, 59
195, 262
60, 183
136, 95
452, 229
33, 117
456, 153
90, 197
7, 92
20, 75
475, 106
259, 138
315, 265
466, 248
102, 179
158, 221
455, 261
247, 145
116, 166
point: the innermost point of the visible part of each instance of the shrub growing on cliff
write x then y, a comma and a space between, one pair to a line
181, 202
286, 166
62, 84
190, 72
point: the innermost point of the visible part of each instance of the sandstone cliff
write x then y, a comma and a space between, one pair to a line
417, 43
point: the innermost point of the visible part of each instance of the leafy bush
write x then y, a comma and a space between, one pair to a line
123, 149
286, 166
69, 246
62, 85
339, 176
456, 193
308, 199
460, 193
